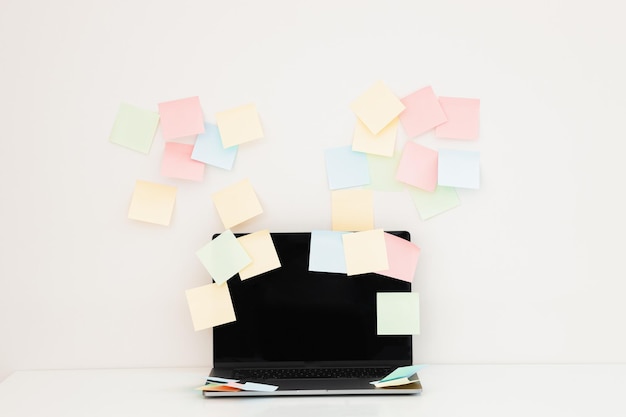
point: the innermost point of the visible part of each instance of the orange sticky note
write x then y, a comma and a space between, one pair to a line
377, 107
402, 257
383, 143
181, 117
210, 305
260, 247
152, 203
352, 210
237, 203
177, 162
365, 252
418, 166
463, 118
239, 125
423, 112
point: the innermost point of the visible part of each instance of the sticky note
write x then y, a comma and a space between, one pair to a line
402, 372
377, 107
418, 166
383, 173
397, 313
458, 168
223, 257
239, 125
346, 168
260, 247
463, 116
134, 128
182, 117
423, 112
326, 253
210, 305
430, 204
208, 149
352, 210
402, 257
177, 162
152, 203
383, 143
365, 252
237, 203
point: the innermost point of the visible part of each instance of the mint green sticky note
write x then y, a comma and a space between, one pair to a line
134, 128
223, 257
383, 173
403, 372
430, 204
397, 313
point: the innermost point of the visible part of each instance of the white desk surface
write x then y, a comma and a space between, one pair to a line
449, 390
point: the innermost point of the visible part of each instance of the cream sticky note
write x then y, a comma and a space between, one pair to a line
346, 168
383, 143
177, 162
458, 168
223, 257
365, 252
181, 117
134, 128
210, 305
239, 125
402, 256
152, 203
352, 210
377, 107
423, 112
418, 166
260, 247
397, 313
429, 204
383, 173
237, 203
463, 116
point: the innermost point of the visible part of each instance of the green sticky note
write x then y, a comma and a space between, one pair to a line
383, 173
223, 257
430, 204
397, 313
134, 128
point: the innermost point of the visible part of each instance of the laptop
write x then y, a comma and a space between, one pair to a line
308, 333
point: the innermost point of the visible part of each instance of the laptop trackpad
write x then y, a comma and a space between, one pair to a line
315, 384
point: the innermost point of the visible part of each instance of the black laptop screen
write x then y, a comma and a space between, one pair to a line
291, 315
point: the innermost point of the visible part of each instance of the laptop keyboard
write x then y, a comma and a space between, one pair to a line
307, 373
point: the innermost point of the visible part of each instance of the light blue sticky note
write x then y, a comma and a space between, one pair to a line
346, 168
208, 149
223, 257
459, 169
403, 372
326, 254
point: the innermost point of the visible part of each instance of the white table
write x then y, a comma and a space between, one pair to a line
449, 390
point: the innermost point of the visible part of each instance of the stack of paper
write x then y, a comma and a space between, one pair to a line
404, 375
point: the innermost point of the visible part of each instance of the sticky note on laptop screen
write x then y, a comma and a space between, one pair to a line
365, 252
260, 247
397, 313
223, 257
402, 257
326, 254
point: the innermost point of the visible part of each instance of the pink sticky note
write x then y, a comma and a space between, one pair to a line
423, 112
181, 117
177, 162
418, 166
463, 118
402, 257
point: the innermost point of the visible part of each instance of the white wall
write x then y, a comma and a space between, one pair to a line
529, 269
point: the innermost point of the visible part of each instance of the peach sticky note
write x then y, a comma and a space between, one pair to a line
377, 107
382, 143
223, 257
177, 162
418, 166
134, 128
352, 210
423, 112
260, 247
239, 125
210, 305
181, 117
152, 203
365, 252
237, 203
402, 257
463, 118
397, 313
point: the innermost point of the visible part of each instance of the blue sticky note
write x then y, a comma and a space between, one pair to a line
403, 372
209, 149
346, 168
326, 254
459, 169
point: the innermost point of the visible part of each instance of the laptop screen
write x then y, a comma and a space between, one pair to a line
292, 316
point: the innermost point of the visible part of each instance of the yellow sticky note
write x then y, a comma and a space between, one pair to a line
239, 125
152, 203
365, 252
377, 107
210, 305
397, 313
352, 210
383, 143
237, 203
260, 247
